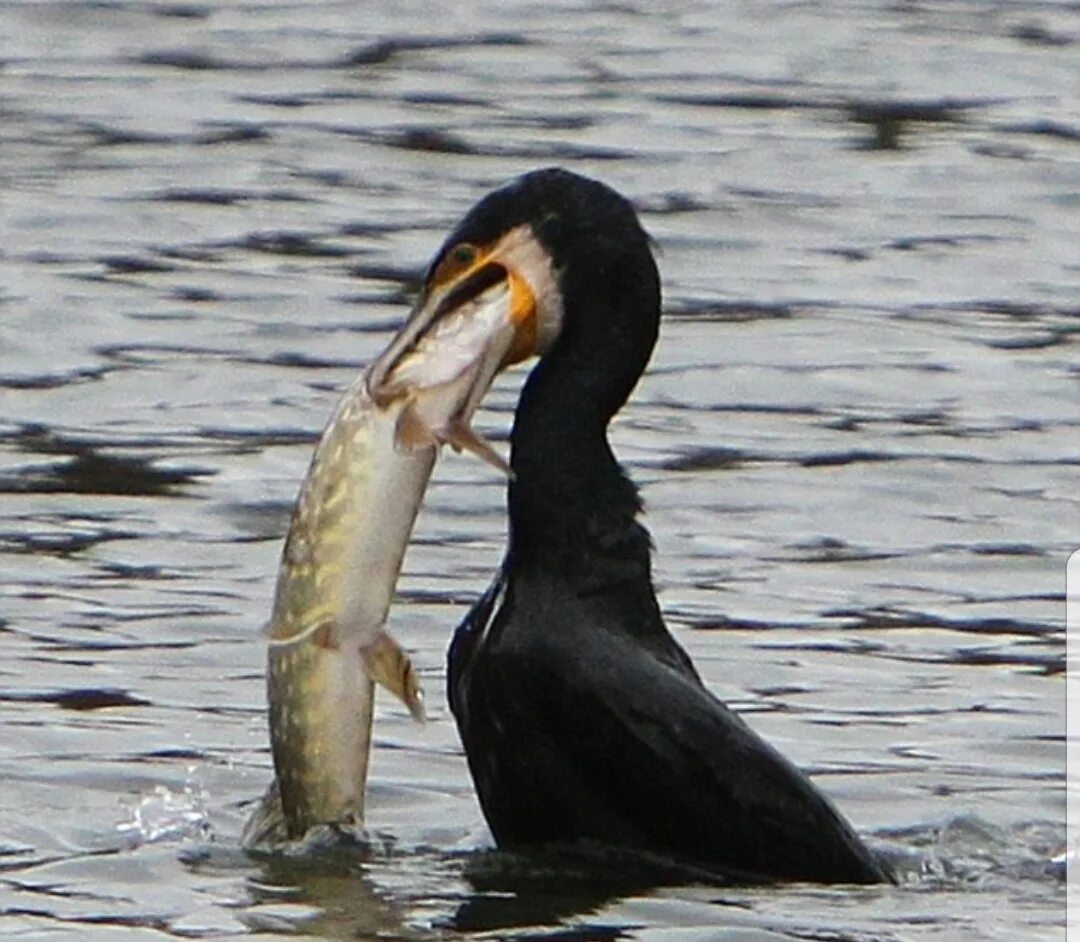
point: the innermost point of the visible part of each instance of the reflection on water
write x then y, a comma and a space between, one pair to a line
856, 440
341, 890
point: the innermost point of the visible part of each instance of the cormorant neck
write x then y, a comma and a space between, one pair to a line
573, 511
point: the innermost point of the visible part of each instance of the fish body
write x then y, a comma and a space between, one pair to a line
339, 567
328, 646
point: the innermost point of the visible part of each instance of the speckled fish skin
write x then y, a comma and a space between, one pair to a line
339, 567
345, 546
346, 542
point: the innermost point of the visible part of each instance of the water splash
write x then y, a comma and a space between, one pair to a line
165, 815
968, 850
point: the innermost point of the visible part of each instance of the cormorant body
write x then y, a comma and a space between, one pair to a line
581, 716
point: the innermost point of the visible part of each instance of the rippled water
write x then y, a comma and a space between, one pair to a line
857, 441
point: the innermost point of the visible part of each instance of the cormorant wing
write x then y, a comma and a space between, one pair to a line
607, 740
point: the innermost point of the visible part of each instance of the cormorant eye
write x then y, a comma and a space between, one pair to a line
464, 254
460, 258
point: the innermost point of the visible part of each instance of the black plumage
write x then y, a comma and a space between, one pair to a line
581, 716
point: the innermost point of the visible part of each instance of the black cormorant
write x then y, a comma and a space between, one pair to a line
581, 716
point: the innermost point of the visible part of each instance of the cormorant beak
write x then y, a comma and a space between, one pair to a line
480, 312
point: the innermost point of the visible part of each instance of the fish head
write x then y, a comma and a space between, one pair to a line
508, 285
483, 308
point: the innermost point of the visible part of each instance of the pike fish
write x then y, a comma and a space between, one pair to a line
328, 643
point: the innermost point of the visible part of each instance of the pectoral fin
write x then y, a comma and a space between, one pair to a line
459, 435
323, 634
391, 668
411, 432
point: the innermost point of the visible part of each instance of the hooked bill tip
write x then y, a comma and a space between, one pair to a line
462, 437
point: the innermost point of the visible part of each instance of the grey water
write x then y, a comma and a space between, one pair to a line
857, 441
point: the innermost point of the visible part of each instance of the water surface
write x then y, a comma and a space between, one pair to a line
857, 440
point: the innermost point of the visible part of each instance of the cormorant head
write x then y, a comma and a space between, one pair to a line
584, 290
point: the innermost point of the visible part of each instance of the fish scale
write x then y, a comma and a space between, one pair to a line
328, 646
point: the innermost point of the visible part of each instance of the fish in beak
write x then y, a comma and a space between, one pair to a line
483, 310
328, 647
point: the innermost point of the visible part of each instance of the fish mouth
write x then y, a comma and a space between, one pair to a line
480, 312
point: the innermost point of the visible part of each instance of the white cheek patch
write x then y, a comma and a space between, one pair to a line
520, 251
